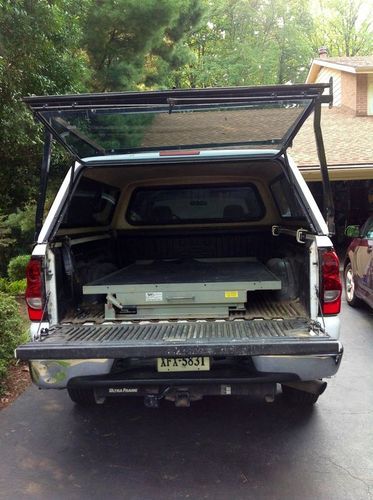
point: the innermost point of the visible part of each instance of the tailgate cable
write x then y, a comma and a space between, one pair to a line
320, 308
315, 326
43, 331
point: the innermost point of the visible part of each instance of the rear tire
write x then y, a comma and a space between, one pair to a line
351, 298
82, 397
294, 397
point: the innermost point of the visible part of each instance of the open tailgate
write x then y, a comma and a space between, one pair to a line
186, 338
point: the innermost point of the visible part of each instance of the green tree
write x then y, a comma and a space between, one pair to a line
39, 54
288, 28
345, 27
134, 44
250, 42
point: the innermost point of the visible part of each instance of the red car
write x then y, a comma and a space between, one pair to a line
358, 265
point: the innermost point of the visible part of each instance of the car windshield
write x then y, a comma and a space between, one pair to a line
157, 127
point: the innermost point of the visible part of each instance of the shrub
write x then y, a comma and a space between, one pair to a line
4, 283
12, 330
17, 267
12, 287
16, 234
16, 287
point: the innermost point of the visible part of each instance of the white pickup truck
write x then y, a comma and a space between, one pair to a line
184, 254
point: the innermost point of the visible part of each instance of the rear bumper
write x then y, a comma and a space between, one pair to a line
304, 367
58, 374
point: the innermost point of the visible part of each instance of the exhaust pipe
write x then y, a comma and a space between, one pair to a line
312, 386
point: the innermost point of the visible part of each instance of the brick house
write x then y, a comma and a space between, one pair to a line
348, 137
352, 81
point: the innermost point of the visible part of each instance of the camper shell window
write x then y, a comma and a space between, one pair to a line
92, 204
285, 199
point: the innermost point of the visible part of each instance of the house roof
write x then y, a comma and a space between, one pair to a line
348, 146
355, 64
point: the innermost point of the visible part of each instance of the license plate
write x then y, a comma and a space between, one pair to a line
190, 364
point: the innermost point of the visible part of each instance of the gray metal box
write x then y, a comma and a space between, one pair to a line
191, 288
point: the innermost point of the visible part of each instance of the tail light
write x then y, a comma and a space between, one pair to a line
34, 289
331, 287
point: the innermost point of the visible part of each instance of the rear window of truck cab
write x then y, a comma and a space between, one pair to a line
194, 204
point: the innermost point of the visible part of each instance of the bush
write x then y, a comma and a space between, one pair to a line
12, 330
12, 287
4, 284
16, 287
17, 267
16, 234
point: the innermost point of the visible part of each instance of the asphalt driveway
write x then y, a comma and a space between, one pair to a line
217, 449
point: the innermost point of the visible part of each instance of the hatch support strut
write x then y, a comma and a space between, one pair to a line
328, 204
45, 164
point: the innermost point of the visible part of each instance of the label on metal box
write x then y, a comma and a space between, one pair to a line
153, 296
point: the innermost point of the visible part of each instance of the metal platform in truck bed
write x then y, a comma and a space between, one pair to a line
189, 338
259, 306
187, 271
192, 288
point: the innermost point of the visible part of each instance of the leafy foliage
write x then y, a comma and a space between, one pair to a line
16, 234
131, 43
17, 287
345, 27
17, 267
4, 283
12, 330
250, 42
39, 54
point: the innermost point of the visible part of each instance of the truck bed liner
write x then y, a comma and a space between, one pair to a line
238, 337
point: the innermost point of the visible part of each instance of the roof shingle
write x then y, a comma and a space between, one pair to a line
354, 62
348, 139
